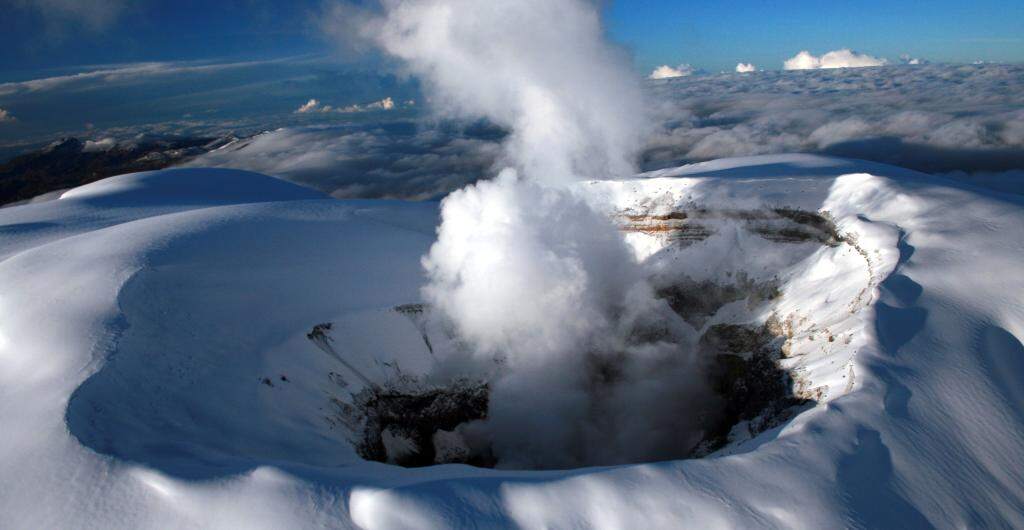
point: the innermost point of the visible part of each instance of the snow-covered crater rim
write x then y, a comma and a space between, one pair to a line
758, 282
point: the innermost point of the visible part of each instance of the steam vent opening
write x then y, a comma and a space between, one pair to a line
723, 367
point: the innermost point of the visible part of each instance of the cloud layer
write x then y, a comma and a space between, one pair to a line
5, 116
934, 118
403, 160
843, 58
930, 117
190, 98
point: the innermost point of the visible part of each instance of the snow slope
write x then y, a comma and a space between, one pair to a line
155, 373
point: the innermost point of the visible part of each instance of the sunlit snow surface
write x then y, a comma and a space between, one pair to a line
140, 315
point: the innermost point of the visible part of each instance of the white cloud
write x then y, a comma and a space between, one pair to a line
745, 67
835, 132
5, 117
667, 72
118, 74
843, 58
314, 105
933, 118
907, 59
802, 61
384, 104
364, 163
105, 144
929, 117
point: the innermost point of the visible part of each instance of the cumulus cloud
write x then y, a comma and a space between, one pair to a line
667, 72
314, 105
745, 67
384, 104
907, 59
103, 144
843, 58
5, 117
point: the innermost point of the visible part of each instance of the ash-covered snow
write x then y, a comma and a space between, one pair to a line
155, 369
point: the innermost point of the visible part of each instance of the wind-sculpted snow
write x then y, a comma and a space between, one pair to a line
181, 187
155, 370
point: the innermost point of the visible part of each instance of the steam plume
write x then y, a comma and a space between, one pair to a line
538, 67
528, 273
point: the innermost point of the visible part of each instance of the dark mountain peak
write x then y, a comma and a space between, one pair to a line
67, 163
66, 145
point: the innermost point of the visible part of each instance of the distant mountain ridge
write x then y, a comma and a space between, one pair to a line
70, 162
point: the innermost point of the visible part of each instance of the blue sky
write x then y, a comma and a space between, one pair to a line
712, 35
152, 30
717, 35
